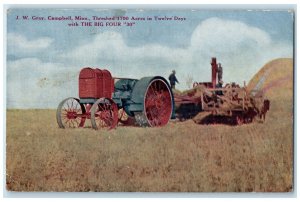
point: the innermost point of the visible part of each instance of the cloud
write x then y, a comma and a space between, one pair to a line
242, 49
228, 35
17, 44
32, 83
109, 50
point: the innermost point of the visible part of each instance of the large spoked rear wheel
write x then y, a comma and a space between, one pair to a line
70, 113
157, 105
104, 114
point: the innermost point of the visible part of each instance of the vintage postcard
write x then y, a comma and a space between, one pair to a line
149, 100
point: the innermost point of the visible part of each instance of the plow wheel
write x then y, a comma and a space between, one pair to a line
157, 105
70, 113
104, 114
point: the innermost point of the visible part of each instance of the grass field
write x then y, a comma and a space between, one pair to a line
180, 157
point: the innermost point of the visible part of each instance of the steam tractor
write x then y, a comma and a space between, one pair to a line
149, 101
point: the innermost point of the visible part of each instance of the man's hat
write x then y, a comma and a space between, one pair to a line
174, 71
219, 64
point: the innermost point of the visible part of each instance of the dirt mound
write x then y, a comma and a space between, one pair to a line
275, 79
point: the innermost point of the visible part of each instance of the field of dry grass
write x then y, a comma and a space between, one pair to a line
180, 157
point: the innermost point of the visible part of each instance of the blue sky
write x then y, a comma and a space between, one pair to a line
44, 57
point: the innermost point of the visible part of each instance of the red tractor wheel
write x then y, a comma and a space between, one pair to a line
104, 114
70, 113
157, 105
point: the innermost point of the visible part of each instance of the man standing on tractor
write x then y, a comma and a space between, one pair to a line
220, 72
173, 79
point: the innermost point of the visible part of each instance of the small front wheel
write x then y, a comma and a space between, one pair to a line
70, 113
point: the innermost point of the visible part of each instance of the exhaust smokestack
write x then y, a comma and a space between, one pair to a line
214, 68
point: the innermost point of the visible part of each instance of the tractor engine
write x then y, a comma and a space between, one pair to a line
94, 84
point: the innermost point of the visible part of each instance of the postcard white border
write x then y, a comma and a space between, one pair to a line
262, 4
